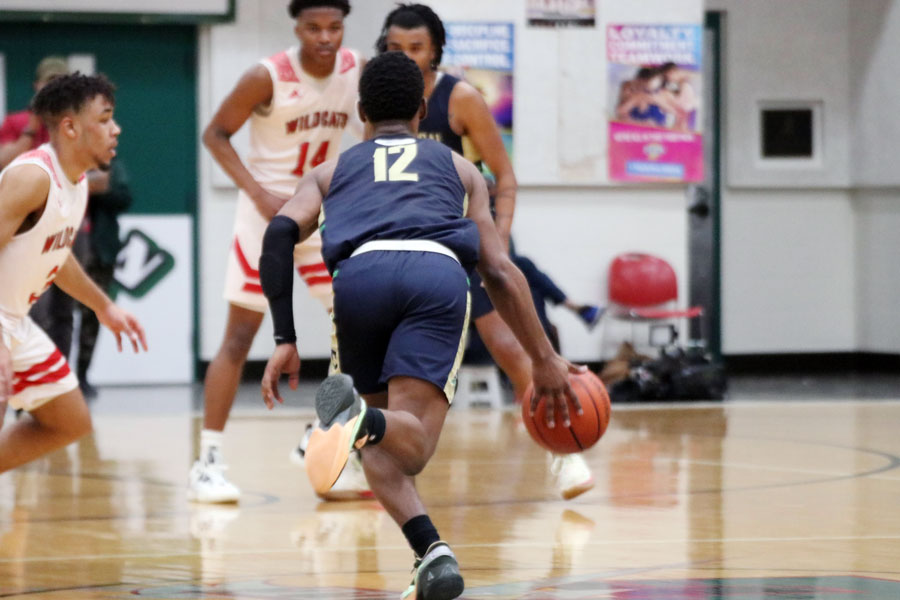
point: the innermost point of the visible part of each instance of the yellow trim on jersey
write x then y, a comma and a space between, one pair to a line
465, 205
334, 365
469, 150
452, 378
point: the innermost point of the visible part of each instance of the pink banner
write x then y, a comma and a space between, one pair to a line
638, 153
654, 121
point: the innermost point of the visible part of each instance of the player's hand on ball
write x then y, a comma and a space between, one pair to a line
285, 359
551, 381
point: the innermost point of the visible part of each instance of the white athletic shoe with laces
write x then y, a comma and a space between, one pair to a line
207, 482
351, 485
573, 477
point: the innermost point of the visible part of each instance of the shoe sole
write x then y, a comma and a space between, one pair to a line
578, 490
332, 495
446, 586
330, 444
347, 495
334, 396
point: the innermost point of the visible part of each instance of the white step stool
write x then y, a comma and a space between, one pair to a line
478, 385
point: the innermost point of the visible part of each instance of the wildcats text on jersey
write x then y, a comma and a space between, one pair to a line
323, 118
61, 239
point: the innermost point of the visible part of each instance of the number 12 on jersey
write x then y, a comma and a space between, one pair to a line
397, 171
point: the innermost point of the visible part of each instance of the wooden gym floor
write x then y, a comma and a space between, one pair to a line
770, 494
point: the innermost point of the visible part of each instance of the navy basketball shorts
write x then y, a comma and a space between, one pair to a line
481, 303
400, 313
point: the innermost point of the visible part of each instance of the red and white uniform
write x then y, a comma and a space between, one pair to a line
28, 265
302, 127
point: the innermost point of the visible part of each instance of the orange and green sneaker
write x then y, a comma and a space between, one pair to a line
341, 413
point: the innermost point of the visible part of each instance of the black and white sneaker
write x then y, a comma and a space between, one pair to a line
435, 576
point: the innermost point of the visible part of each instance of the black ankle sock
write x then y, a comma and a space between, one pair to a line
374, 424
420, 533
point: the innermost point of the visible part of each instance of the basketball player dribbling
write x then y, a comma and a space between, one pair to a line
43, 196
404, 220
456, 110
298, 104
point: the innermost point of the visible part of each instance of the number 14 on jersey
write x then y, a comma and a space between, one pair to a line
317, 159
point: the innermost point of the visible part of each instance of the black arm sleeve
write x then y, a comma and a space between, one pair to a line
276, 273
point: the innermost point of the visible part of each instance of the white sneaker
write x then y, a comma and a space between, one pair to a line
207, 483
350, 485
298, 453
573, 477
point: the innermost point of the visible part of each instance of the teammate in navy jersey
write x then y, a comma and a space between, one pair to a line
403, 221
456, 111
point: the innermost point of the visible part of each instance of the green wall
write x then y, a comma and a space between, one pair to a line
154, 69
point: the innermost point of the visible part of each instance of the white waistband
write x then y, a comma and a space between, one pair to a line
406, 246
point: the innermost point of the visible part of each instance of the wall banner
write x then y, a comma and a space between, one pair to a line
654, 87
154, 281
561, 13
483, 54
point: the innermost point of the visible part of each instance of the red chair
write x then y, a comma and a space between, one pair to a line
643, 289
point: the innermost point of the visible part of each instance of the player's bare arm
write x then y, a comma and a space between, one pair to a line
23, 194
252, 91
74, 281
306, 203
508, 290
296, 221
470, 116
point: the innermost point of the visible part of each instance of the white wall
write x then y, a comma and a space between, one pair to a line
787, 276
875, 93
808, 257
571, 230
874, 53
787, 235
878, 284
785, 51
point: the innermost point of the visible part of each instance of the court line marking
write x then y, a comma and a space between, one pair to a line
748, 403
304, 411
505, 545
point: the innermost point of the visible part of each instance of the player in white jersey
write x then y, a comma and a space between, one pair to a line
298, 103
43, 195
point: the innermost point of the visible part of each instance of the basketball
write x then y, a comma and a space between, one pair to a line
585, 429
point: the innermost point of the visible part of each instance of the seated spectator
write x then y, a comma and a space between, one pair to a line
543, 290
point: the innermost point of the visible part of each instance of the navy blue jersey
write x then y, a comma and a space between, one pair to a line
436, 124
396, 188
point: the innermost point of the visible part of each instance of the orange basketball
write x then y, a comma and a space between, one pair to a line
585, 429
